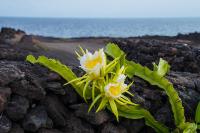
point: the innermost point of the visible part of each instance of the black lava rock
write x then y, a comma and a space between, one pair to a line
75, 125
55, 87
44, 130
111, 128
4, 96
35, 119
16, 129
17, 107
56, 110
9, 72
29, 89
81, 110
5, 124
70, 97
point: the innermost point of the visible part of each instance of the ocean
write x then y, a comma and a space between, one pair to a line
83, 27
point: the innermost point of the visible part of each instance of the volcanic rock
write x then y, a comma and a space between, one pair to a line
9, 72
75, 125
35, 119
4, 97
16, 129
56, 110
17, 107
5, 124
111, 128
55, 87
81, 110
43, 130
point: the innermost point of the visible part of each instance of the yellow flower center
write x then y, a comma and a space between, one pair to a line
115, 90
92, 63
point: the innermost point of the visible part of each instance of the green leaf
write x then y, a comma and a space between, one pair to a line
189, 127
94, 101
85, 90
198, 127
31, 59
197, 115
114, 108
162, 68
155, 66
113, 50
136, 112
130, 112
57, 67
102, 105
154, 78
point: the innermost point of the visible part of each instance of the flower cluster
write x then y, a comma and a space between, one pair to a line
104, 79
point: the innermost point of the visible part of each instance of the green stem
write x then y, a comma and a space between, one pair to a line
154, 79
136, 112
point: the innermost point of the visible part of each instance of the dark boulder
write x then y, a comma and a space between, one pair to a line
81, 110
9, 72
111, 128
44, 130
5, 124
17, 107
76, 125
55, 87
4, 97
53, 77
16, 129
31, 89
11, 53
70, 97
56, 110
10, 36
7, 33
35, 119
131, 126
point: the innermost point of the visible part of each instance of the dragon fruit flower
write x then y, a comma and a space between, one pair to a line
92, 64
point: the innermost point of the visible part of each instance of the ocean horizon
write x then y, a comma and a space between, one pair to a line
102, 27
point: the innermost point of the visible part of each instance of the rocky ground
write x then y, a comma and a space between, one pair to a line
33, 99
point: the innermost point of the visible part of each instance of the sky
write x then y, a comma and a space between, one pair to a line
100, 8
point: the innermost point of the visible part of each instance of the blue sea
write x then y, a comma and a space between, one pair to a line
83, 27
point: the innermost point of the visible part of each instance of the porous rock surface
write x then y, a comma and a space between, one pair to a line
33, 99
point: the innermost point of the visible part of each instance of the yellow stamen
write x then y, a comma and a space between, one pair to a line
115, 90
92, 63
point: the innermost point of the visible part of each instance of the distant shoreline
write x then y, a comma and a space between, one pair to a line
63, 48
102, 27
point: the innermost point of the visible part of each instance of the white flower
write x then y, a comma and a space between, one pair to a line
115, 90
93, 63
121, 78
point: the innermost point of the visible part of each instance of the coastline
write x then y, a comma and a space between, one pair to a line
64, 49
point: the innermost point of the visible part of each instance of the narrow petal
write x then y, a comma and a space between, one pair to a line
102, 104
84, 90
93, 90
114, 108
95, 100
121, 78
120, 102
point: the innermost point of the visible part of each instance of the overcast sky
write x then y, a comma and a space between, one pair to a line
100, 8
